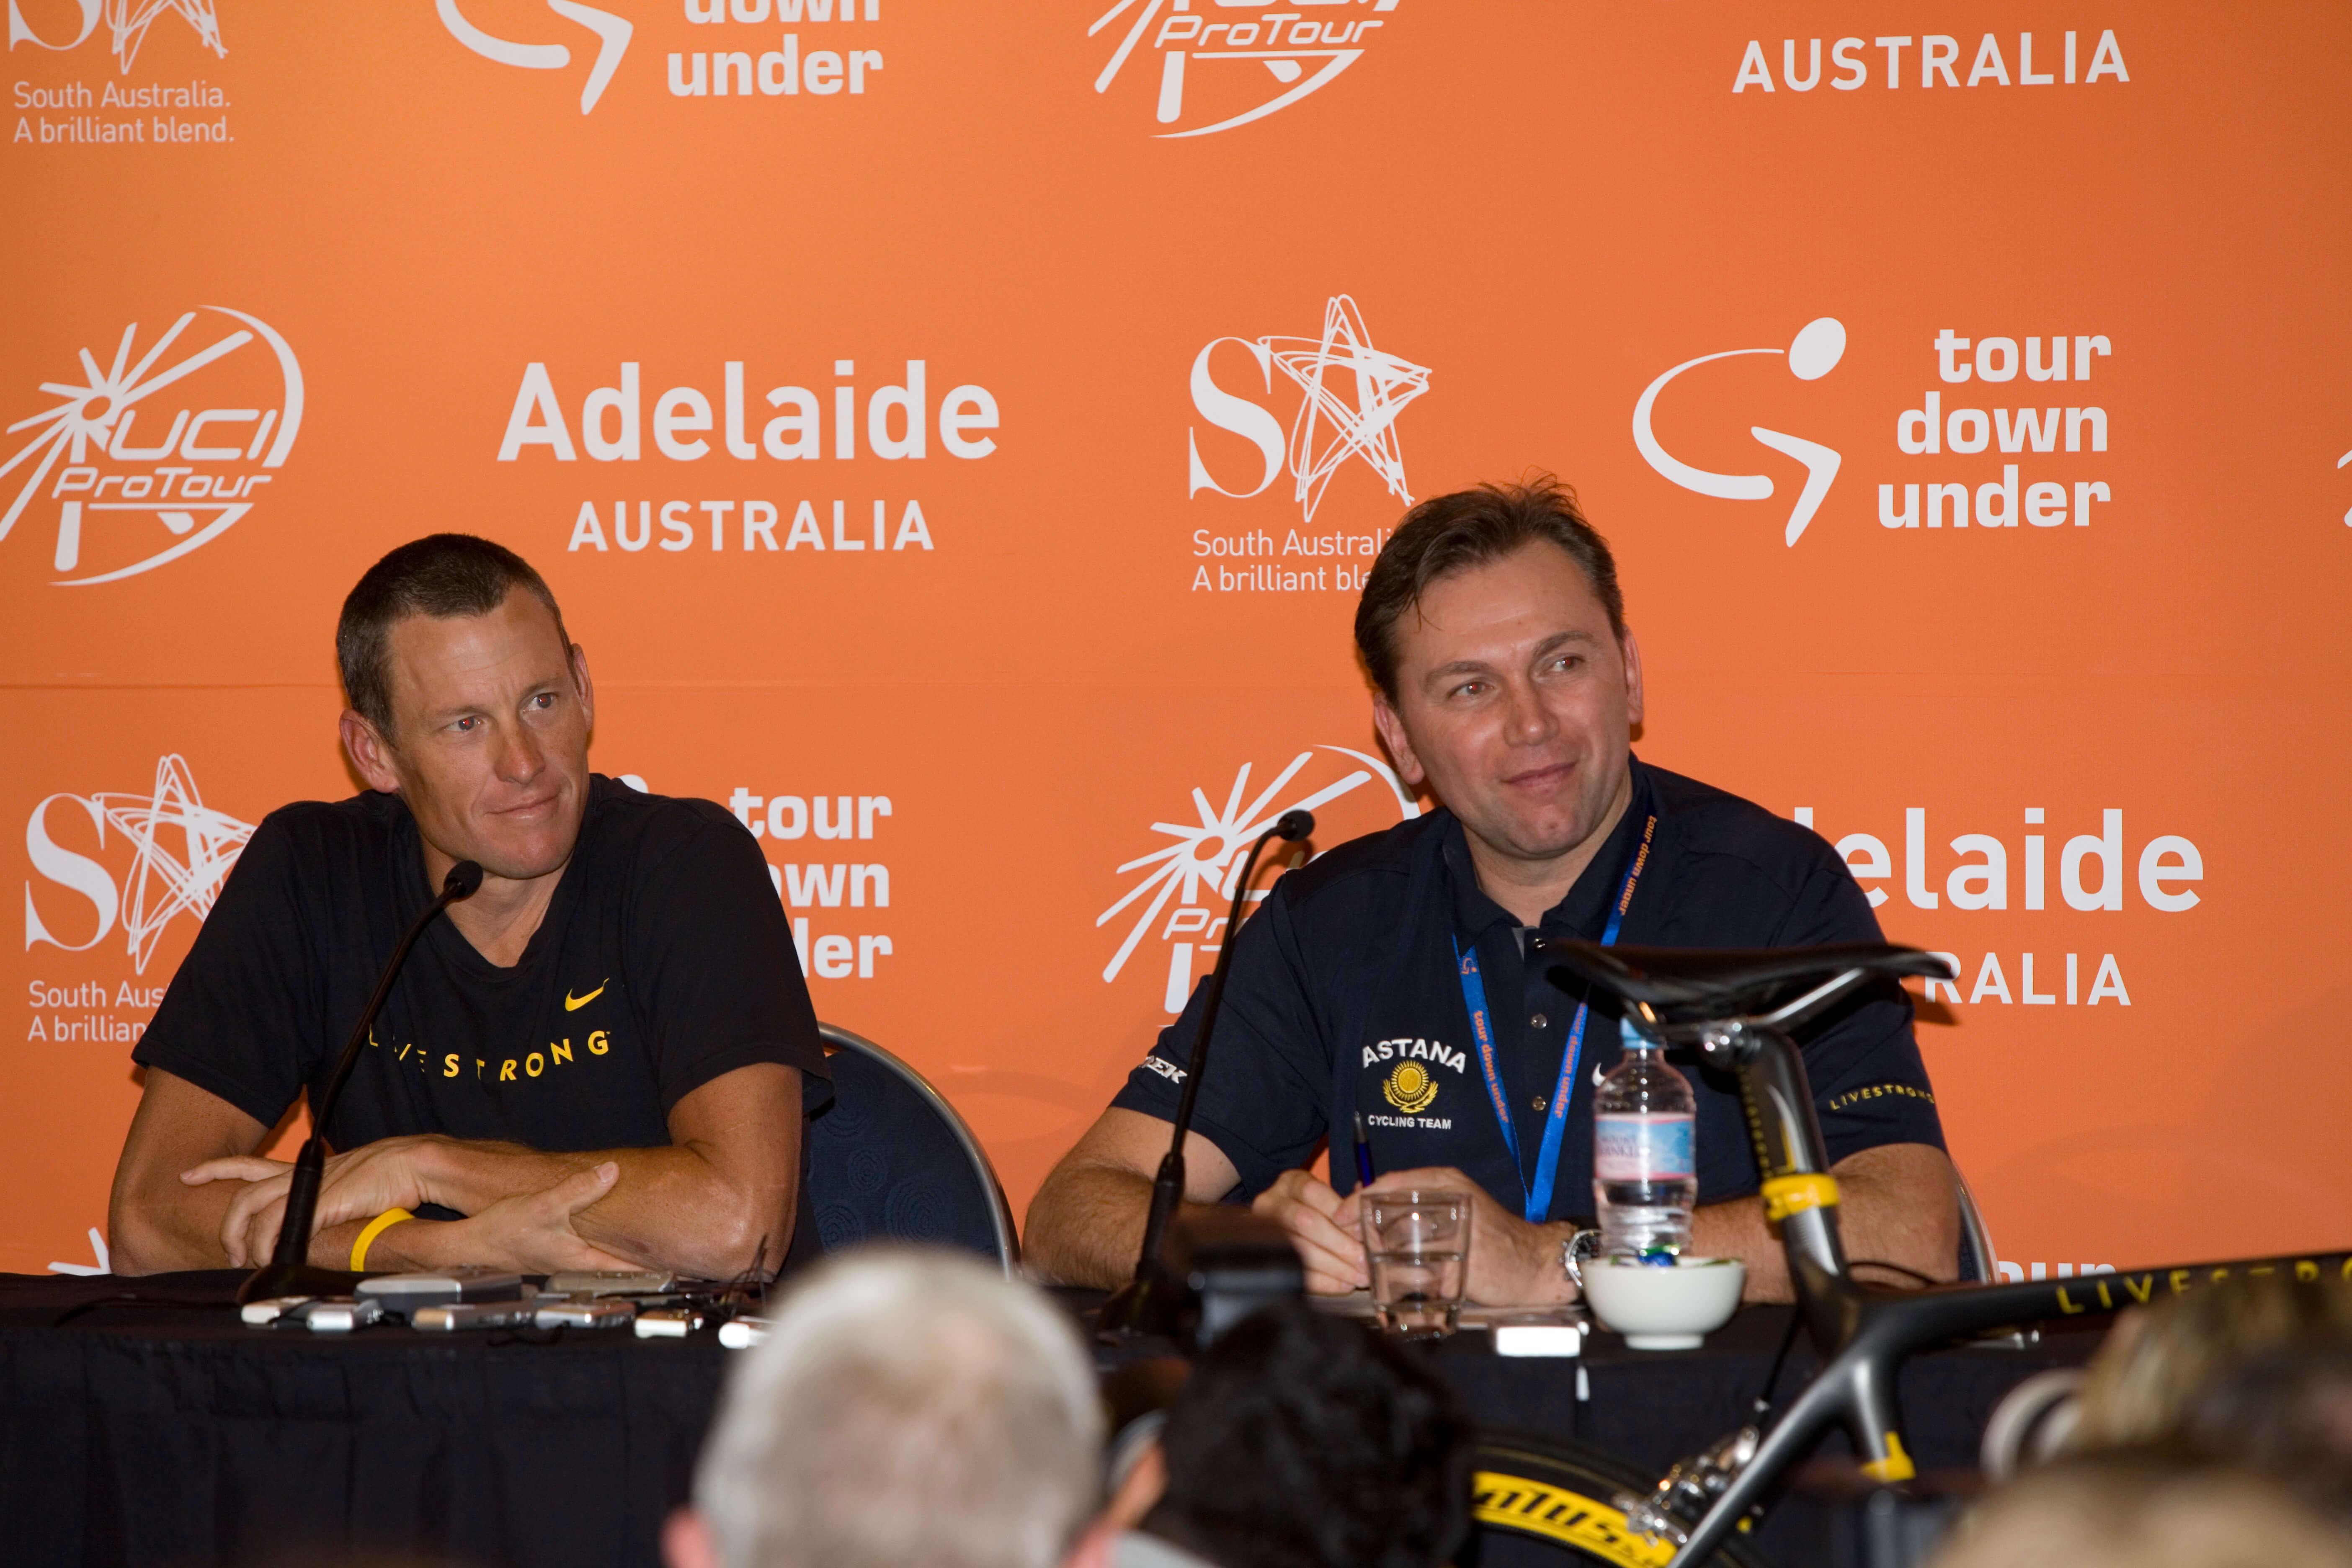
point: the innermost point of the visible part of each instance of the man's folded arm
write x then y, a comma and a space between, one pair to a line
719, 1200
154, 1223
1896, 1204
1085, 1223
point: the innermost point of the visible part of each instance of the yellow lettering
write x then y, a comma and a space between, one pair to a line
534, 1064
2305, 1269
2066, 1306
561, 1051
598, 1044
506, 1073
2180, 1281
449, 1064
2265, 1269
2104, 1300
2141, 1288
2219, 1274
479, 1064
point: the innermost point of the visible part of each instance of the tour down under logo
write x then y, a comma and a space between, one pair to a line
1217, 74
1183, 889
157, 452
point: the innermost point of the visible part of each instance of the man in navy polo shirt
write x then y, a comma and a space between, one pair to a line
1492, 628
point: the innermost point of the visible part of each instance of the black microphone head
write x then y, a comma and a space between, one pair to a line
1295, 824
464, 880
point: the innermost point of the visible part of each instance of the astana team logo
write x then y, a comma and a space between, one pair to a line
1184, 887
1212, 65
152, 449
174, 851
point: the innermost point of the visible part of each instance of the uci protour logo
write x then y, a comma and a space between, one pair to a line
611, 34
175, 852
1190, 881
128, 487
1350, 394
1221, 74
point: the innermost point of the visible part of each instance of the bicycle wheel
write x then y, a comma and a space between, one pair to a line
1538, 1501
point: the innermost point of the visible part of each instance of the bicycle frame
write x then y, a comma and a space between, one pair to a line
1862, 1333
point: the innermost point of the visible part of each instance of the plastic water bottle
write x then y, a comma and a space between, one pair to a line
1645, 1170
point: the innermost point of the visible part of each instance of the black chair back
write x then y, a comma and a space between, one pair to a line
890, 1160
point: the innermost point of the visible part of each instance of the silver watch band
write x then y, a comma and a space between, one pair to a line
1583, 1242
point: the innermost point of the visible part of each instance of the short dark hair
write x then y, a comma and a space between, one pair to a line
1305, 1440
1450, 533
441, 576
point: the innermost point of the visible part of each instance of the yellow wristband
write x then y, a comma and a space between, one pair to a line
375, 1228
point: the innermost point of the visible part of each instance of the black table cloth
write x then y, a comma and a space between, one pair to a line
164, 1432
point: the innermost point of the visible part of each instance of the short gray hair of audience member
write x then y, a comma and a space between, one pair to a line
2134, 1509
906, 1408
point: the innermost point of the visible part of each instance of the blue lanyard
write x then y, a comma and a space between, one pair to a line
1474, 996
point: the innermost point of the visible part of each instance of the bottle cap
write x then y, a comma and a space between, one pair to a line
1631, 1036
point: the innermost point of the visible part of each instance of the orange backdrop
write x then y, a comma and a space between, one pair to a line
1146, 317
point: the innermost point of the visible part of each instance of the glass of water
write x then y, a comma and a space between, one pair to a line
1419, 1247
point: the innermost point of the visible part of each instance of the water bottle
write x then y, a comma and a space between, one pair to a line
1644, 1172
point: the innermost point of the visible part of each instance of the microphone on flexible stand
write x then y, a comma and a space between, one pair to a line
1148, 1303
289, 1271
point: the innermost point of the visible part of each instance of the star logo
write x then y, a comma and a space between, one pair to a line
181, 853
1350, 396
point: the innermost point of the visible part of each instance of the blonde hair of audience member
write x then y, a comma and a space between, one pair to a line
905, 1408
2142, 1510
2157, 1363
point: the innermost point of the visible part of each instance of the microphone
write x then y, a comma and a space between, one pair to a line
288, 1270
1147, 1302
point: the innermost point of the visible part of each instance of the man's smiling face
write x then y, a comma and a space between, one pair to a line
490, 740
1515, 702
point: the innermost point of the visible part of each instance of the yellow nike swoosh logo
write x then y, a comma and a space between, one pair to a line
573, 1004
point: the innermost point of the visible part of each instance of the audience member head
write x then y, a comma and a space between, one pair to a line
1305, 1440
2141, 1509
2156, 1364
2286, 1411
905, 1408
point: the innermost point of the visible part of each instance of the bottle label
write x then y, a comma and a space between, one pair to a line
1644, 1148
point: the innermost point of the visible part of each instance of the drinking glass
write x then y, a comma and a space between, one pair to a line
1419, 1247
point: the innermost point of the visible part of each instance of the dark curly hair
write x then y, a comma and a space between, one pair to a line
1305, 1440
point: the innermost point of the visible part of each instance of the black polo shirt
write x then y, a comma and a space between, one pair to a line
1344, 997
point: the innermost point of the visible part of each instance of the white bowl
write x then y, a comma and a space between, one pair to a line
1661, 1308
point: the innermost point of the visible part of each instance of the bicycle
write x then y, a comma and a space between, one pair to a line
1735, 1008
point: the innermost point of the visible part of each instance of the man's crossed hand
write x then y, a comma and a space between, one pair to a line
1511, 1262
529, 1232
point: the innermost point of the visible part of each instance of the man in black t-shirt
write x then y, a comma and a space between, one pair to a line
1492, 628
599, 1060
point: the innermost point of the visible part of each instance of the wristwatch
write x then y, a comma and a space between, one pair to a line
1583, 1242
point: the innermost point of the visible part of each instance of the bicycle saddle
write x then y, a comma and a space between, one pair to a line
1690, 985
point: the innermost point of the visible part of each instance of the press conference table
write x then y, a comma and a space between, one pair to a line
164, 1432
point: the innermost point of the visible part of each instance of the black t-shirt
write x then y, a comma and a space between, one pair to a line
1344, 998
665, 959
